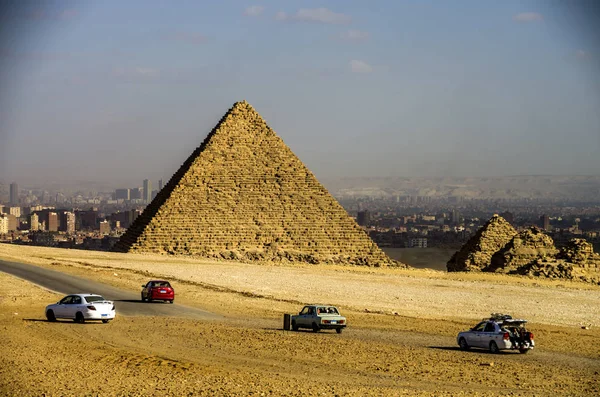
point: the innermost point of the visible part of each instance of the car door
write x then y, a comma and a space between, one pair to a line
60, 310
488, 334
72, 306
302, 317
146, 290
474, 337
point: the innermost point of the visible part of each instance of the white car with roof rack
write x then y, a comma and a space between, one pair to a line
499, 332
81, 308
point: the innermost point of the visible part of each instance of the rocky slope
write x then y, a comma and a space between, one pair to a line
477, 253
530, 252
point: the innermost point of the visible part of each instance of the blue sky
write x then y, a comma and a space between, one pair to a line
119, 91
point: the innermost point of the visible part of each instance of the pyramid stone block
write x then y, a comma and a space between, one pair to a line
242, 194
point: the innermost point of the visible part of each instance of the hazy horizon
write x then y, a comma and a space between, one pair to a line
117, 92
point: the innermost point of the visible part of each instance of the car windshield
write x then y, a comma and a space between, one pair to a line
163, 284
94, 298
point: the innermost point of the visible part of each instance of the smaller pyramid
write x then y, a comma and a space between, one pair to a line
476, 254
526, 247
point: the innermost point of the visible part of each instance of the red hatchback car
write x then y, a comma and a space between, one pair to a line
158, 290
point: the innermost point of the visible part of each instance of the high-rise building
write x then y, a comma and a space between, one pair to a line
363, 218
67, 222
545, 222
3, 224
34, 222
14, 194
455, 217
104, 227
16, 211
160, 184
147, 191
135, 193
122, 194
52, 222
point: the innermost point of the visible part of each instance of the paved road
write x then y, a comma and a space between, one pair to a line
127, 302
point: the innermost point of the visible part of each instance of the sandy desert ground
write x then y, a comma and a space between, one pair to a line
400, 340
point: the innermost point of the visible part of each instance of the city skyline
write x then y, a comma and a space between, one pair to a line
409, 89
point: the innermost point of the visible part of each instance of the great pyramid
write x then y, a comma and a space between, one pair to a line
243, 195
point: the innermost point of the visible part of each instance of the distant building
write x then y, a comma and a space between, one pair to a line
417, 243
455, 217
67, 222
147, 191
135, 193
52, 222
545, 222
122, 194
34, 222
3, 224
14, 194
16, 211
87, 219
363, 218
104, 227
160, 184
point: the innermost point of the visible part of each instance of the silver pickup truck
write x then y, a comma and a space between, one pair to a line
499, 332
318, 317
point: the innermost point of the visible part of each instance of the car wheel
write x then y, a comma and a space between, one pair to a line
105, 321
149, 299
50, 316
294, 326
463, 344
171, 301
79, 318
315, 327
494, 348
523, 350
338, 330
143, 299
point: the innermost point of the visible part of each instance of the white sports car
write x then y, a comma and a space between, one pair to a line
82, 307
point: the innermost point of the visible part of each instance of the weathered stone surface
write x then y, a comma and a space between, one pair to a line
526, 247
530, 253
477, 253
243, 195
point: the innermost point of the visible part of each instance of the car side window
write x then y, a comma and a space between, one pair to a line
304, 311
490, 327
66, 300
76, 300
479, 327
311, 311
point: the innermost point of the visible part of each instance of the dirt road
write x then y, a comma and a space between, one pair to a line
127, 302
247, 353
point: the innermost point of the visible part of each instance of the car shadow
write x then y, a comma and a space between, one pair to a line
456, 348
129, 300
61, 320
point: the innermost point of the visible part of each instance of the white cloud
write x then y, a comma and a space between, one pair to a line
357, 66
254, 11
528, 17
354, 35
319, 15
